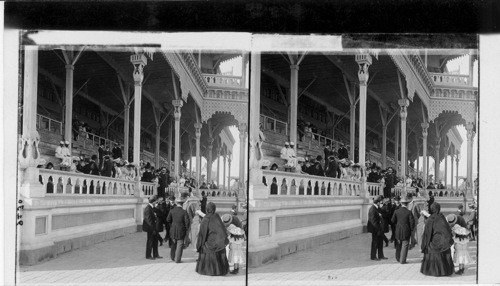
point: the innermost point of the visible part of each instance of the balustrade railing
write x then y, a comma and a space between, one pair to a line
69, 183
148, 189
398, 191
275, 125
375, 189
450, 79
46, 123
449, 193
96, 140
222, 80
286, 184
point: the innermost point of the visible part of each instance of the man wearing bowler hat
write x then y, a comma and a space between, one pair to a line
149, 226
178, 220
375, 227
405, 223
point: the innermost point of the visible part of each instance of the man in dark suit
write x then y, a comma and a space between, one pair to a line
390, 181
405, 223
117, 152
179, 224
162, 181
375, 227
149, 226
343, 153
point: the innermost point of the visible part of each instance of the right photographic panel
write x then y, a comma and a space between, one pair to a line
363, 165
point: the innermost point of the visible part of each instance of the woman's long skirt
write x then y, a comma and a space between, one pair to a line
213, 263
437, 264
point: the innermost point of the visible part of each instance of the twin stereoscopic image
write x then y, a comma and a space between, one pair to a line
149, 165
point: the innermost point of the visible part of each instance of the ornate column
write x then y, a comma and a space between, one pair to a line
418, 154
446, 147
218, 165
126, 130
403, 103
29, 155
352, 131
364, 61
177, 103
243, 139
139, 61
244, 58
396, 145
456, 177
470, 141
169, 140
452, 157
157, 149
224, 170
294, 101
229, 158
425, 158
384, 146
209, 159
68, 112
197, 128
437, 160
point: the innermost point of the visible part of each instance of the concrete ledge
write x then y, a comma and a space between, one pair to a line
256, 259
33, 256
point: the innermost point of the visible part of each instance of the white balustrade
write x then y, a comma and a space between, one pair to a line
398, 190
148, 189
375, 189
277, 126
450, 79
46, 123
58, 182
289, 184
222, 80
449, 193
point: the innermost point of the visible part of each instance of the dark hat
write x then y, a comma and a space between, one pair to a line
378, 199
397, 198
451, 219
319, 158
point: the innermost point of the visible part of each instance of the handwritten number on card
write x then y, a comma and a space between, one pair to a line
19, 215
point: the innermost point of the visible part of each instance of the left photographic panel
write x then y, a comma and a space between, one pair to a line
132, 158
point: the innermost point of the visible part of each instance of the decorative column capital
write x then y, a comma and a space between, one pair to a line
177, 103
242, 128
364, 61
294, 67
424, 126
70, 67
210, 143
470, 130
139, 61
404, 103
197, 129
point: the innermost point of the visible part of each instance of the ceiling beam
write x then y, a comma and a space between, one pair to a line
127, 77
334, 60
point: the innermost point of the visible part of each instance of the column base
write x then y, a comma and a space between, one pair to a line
31, 186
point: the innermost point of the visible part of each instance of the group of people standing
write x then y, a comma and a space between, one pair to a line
442, 240
191, 221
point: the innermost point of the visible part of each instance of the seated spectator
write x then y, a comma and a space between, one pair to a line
63, 153
288, 154
107, 167
204, 186
317, 169
333, 169
49, 166
91, 167
117, 152
80, 166
431, 186
356, 172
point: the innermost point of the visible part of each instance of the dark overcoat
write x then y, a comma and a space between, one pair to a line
405, 223
179, 223
374, 220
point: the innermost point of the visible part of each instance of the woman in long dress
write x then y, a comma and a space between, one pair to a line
211, 245
436, 242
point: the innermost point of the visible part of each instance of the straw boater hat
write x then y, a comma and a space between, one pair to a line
451, 219
61, 143
287, 144
66, 142
234, 230
227, 219
292, 144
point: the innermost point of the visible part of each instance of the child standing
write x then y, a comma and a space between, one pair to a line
461, 256
236, 240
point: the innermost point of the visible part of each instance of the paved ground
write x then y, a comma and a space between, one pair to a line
121, 261
346, 262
